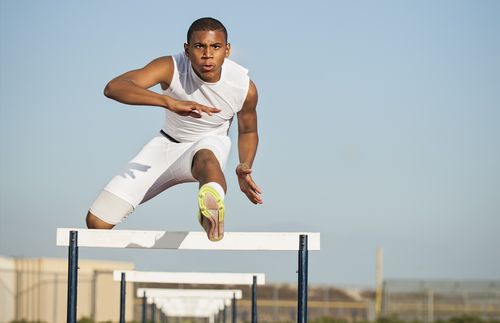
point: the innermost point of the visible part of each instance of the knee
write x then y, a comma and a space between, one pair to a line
94, 222
204, 159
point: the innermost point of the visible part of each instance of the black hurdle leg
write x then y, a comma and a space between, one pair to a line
302, 283
123, 285
254, 300
144, 309
233, 308
72, 276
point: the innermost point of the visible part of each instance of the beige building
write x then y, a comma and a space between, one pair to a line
36, 290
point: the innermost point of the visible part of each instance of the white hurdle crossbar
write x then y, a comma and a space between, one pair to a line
272, 241
189, 293
190, 277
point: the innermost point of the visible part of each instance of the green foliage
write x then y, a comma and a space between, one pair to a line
390, 319
458, 319
89, 320
85, 320
470, 319
328, 320
396, 319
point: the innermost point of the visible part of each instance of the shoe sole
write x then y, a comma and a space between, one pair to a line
214, 220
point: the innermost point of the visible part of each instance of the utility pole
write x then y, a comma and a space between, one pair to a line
378, 281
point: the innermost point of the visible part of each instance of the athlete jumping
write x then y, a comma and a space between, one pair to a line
202, 90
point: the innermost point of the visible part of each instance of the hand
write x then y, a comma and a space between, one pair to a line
190, 108
247, 185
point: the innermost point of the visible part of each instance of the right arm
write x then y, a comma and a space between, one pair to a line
133, 88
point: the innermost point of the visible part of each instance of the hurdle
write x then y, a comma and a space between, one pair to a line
205, 308
189, 278
163, 298
161, 295
73, 238
182, 307
158, 295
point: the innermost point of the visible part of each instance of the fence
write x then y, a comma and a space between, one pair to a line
429, 301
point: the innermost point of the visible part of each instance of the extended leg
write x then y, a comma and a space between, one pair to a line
94, 222
107, 211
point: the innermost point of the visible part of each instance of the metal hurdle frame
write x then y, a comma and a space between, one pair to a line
270, 241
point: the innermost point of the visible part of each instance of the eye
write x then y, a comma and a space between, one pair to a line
198, 46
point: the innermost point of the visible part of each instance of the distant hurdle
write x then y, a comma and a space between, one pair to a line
186, 302
205, 308
190, 278
200, 307
263, 241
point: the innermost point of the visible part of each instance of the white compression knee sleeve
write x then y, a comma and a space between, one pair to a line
110, 208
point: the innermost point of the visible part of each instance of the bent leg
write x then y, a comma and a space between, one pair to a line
206, 168
203, 162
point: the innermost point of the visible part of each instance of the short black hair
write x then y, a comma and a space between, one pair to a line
206, 24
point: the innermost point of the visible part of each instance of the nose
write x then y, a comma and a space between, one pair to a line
207, 52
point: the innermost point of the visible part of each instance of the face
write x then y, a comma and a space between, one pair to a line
206, 51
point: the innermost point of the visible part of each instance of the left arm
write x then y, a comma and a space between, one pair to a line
248, 139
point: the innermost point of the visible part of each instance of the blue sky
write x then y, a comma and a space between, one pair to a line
379, 126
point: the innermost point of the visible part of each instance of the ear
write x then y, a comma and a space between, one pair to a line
228, 50
186, 49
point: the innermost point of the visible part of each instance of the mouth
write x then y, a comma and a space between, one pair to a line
207, 67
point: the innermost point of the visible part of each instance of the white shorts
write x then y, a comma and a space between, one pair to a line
159, 165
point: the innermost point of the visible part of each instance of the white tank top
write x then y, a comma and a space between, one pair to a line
228, 95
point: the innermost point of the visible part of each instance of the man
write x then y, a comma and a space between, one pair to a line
202, 90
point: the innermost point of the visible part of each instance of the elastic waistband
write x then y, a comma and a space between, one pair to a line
166, 135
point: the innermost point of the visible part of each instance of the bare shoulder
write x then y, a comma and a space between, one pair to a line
252, 97
247, 116
165, 61
163, 68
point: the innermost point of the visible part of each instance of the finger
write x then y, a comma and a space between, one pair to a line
253, 195
194, 114
255, 198
214, 110
196, 108
208, 110
252, 185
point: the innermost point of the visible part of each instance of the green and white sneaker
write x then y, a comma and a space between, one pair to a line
211, 212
